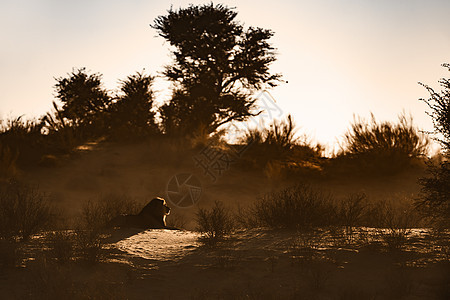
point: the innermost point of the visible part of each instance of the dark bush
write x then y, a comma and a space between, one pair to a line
352, 210
385, 139
382, 147
297, 207
24, 210
89, 246
278, 143
215, 223
21, 143
96, 213
434, 200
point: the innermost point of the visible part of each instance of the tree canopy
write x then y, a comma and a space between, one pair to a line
439, 103
82, 95
217, 65
131, 113
434, 200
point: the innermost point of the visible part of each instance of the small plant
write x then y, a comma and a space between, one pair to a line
215, 223
96, 213
24, 210
89, 246
351, 211
393, 222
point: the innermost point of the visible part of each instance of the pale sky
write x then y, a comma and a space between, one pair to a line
341, 58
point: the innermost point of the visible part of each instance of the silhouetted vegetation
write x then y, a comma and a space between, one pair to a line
21, 144
96, 213
434, 200
217, 65
439, 103
297, 207
215, 223
84, 100
87, 112
324, 237
131, 115
304, 207
351, 211
278, 142
62, 136
382, 147
24, 210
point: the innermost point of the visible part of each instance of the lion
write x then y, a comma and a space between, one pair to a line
152, 216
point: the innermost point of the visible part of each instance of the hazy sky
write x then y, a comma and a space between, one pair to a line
341, 58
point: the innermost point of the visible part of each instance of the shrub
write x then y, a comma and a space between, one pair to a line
24, 210
76, 245
95, 214
62, 136
383, 146
297, 207
434, 200
215, 223
278, 143
393, 222
21, 142
89, 246
351, 211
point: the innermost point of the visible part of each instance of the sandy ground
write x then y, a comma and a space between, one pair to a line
160, 245
251, 264
274, 264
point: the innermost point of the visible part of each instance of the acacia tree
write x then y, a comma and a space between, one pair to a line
435, 193
217, 65
439, 103
83, 97
131, 113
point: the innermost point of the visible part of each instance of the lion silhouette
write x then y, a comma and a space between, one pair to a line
152, 216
